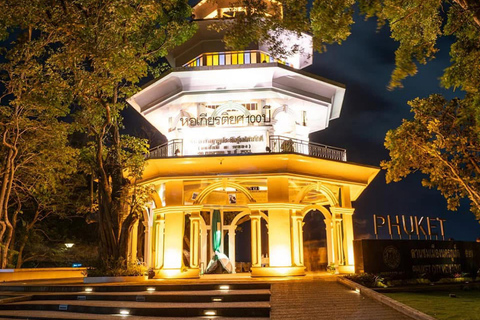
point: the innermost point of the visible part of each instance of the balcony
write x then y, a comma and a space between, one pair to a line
277, 144
232, 58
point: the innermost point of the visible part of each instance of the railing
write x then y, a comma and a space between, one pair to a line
285, 144
172, 148
277, 144
232, 58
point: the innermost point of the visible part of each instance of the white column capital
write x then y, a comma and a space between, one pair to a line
341, 210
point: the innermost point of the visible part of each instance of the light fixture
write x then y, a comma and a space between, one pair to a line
151, 289
357, 290
209, 313
69, 245
88, 289
224, 287
124, 312
217, 299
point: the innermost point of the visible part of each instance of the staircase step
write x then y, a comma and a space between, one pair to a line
164, 296
144, 310
136, 288
58, 315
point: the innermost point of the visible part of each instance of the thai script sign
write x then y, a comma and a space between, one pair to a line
409, 226
229, 145
412, 258
224, 120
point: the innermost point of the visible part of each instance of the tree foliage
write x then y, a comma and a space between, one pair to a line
442, 140
91, 54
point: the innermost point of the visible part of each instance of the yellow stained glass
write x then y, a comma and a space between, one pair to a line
234, 58
215, 60
209, 60
240, 58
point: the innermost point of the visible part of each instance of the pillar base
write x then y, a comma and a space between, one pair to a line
346, 269
278, 271
177, 273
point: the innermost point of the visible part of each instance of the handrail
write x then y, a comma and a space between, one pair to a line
277, 144
286, 144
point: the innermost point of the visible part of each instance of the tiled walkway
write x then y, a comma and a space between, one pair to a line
324, 298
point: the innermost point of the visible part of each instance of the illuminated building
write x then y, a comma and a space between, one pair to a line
238, 125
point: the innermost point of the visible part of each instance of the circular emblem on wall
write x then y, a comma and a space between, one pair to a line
391, 257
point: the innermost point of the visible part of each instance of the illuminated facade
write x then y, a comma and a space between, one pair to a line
238, 125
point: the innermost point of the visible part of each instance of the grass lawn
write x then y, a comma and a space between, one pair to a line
466, 306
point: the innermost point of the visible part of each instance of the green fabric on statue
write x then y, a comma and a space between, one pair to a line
216, 230
220, 262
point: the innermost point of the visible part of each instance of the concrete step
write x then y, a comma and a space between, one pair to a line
185, 310
59, 315
134, 288
163, 296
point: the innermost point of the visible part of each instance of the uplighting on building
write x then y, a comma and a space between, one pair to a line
88, 289
150, 289
224, 287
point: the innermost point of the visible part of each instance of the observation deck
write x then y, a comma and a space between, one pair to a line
276, 144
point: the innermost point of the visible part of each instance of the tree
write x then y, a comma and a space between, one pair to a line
96, 52
443, 142
437, 142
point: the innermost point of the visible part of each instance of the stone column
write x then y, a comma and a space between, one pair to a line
132, 245
174, 230
231, 246
256, 226
159, 241
297, 239
330, 240
194, 240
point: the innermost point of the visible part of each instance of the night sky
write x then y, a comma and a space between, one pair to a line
364, 64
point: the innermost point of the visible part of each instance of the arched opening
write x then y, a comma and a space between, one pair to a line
315, 246
243, 243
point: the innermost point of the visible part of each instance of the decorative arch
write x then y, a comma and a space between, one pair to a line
318, 207
229, 106
285, 108
246, 213
332, 200
222, 184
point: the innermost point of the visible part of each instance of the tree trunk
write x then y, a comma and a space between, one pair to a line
7, 229
20, 251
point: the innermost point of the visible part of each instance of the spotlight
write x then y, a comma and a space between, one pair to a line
224, 287
124, 312
209, 313
150, 289
88, 289
217, 299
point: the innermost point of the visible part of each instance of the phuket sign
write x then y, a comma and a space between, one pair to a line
409, 226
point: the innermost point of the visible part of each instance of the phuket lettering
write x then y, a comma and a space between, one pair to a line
409, 226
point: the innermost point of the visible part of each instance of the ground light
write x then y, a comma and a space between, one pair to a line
209, 313
124, 312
